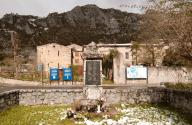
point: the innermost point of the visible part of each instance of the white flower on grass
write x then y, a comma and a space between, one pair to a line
106, 116
110, 122
63, 118
88, 122
41, 123
123, 120
78, 122
123, 106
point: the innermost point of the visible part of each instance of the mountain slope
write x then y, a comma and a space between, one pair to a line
81, 25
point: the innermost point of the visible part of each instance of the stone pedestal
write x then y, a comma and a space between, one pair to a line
93, 92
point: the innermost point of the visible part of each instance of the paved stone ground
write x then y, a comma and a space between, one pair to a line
18, 82
10, 84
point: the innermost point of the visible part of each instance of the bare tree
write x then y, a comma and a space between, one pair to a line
170, 21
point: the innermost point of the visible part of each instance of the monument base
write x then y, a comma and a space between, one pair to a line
93, 92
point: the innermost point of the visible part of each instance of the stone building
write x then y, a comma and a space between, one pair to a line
77, 54
53, 55
127, 56
58, 56
120, 62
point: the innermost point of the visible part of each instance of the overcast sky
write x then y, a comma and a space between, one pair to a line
43, 7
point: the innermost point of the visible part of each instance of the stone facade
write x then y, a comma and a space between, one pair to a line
123, 60
53, 56
77, 54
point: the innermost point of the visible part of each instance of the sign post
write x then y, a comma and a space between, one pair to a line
40, 69
54, 74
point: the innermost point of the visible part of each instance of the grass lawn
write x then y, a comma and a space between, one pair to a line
118, 114
108, 82
32, 115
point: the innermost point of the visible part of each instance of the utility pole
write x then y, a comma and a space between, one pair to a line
72, 50
14, 41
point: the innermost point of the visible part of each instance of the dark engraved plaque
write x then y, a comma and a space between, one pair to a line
92, 73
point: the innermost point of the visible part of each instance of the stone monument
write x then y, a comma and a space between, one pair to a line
92, 65
92, 72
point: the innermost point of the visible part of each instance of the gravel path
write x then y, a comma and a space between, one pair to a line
11, 82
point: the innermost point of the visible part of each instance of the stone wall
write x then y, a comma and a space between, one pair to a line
178, 99
9, 99
134, 95
175, 98
169, 74
49, 96
157, 75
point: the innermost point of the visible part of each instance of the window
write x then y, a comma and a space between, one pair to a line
126, 55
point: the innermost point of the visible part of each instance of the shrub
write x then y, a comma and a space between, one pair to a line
180, 86
76, 106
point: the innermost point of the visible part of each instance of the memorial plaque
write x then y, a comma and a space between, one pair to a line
93, 73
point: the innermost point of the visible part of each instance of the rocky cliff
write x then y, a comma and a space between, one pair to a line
81, 25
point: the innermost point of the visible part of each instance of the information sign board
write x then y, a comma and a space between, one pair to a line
40, 67
67, 74
54, 74
137, 72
